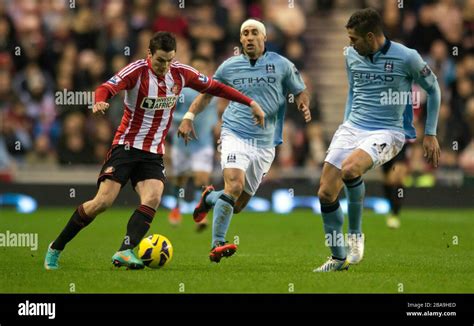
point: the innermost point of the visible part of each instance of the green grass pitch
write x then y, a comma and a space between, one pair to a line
433, 252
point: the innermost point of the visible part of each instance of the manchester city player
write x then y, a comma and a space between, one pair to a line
248, 150
380, 73
195, 160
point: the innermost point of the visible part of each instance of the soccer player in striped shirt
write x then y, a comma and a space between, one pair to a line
376, 125
152, 87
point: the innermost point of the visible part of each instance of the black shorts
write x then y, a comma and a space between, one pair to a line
400, 157
122, 164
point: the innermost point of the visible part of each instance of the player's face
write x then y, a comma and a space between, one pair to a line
358, 42
252, 41
161, 61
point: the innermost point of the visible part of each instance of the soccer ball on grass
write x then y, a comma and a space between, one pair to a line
155, 251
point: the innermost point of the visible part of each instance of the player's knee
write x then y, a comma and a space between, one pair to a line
326, 196
151, 200
101, 204
235, 189
349, 171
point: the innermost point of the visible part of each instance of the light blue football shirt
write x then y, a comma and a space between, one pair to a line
267, 80
204, 122
380, 89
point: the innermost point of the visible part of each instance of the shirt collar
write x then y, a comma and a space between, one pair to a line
254, 61
383, 50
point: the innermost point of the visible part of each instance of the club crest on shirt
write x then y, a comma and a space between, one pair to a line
158, 103
388, 66
270, 68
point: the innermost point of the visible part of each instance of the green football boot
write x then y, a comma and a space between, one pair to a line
128, 259
51, 259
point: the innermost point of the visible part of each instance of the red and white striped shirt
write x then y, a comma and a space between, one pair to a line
150, 101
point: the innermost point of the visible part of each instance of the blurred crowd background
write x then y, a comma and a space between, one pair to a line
48, 46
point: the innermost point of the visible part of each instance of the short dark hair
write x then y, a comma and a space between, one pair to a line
162, 41
366, 20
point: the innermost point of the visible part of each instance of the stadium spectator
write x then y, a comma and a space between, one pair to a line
74, 147
169, 18
42, 153
426, 30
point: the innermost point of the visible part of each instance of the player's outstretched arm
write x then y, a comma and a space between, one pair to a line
186, 127
302, 103
101, 96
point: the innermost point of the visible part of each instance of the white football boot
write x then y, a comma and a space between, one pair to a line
332, 265
356, 248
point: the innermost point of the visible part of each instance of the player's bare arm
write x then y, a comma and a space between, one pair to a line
186, 127
302, 103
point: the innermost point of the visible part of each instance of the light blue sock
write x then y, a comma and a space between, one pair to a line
355, 192
223, 210
333, 219
212, 198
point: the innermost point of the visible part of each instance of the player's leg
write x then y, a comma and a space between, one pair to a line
353, 167
330, 186
260, 163
242, 202
181, 164
202, 163
179, 184
147, 177
375, 149
114, 174
342, 145
393, 184
352, 170
234, 180
200, 181
82, 216
150, 192
85, 213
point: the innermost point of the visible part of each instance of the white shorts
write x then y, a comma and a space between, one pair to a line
382, 145
187, 161
254, 161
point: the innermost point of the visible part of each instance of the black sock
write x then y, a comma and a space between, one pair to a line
137, 226
77, 222
391, 193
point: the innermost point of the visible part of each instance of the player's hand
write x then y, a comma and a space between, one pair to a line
431, 149
258, 114
100, 107
186, 130
303, 108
